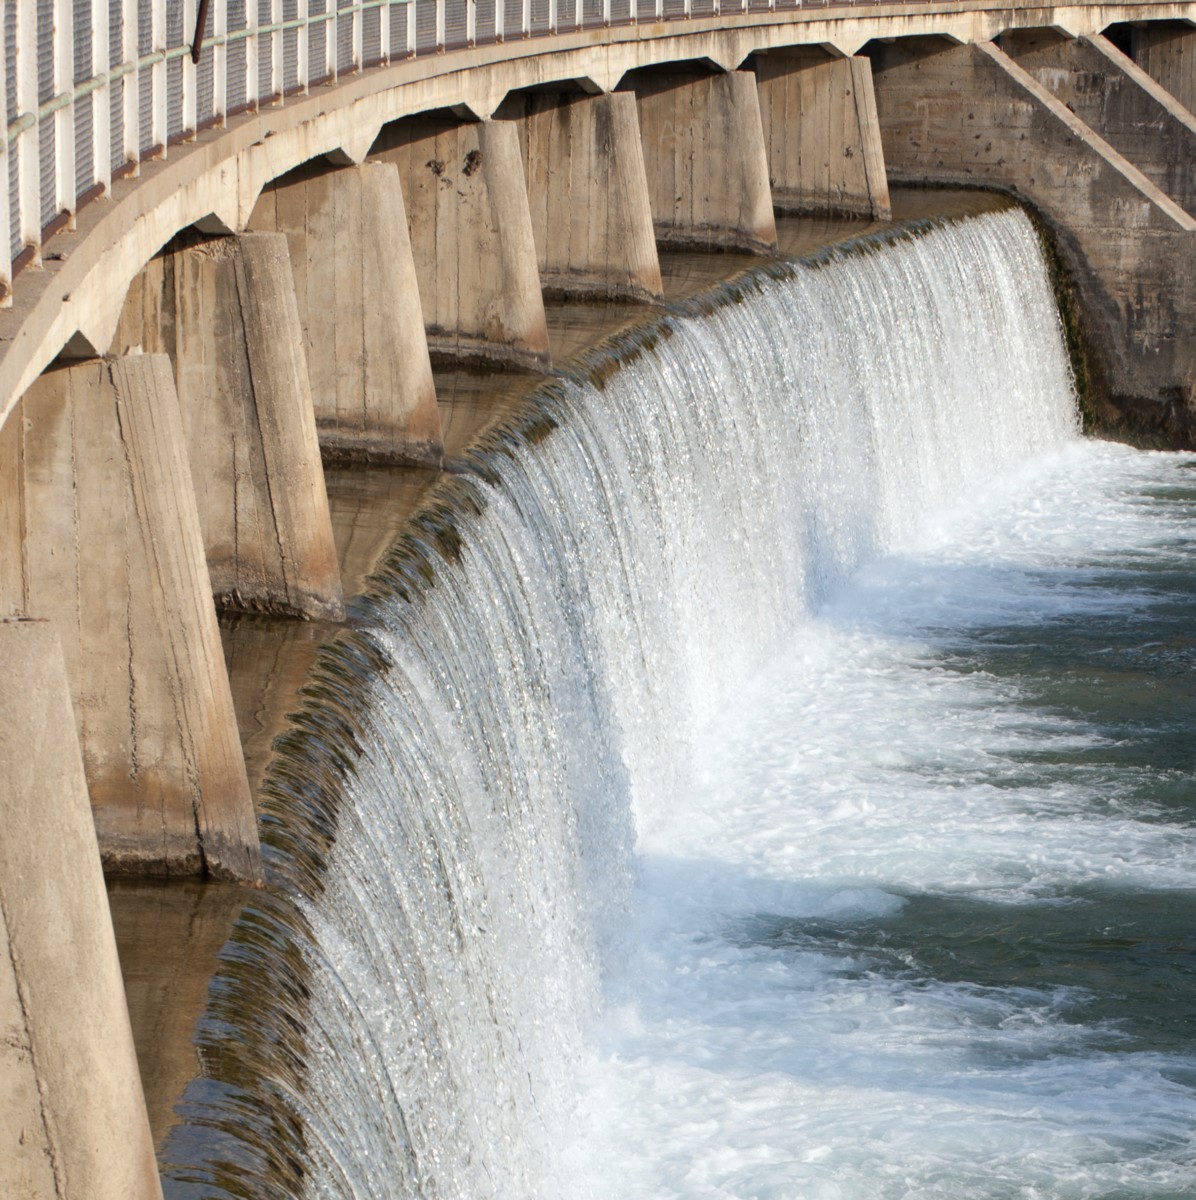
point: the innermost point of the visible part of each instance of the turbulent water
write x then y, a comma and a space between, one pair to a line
776, 781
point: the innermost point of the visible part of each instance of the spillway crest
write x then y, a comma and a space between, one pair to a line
534, 681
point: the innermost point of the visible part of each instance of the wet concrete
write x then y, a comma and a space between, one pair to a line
169, 934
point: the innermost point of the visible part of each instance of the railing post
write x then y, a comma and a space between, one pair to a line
277, 50
358, 55
500, 20
471, 22
101, 98
63, 197
302, 75
188, 82
526, 17
554, 16
6, 224
412, 30
384, 32
440, 39
28, 161
158, 114
219, 52
130, 148
579, 14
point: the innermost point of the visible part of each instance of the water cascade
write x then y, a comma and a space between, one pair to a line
578, 832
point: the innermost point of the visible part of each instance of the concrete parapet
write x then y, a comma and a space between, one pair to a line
704, 152
1166, 51
1109, 93
970, 115
100, 534
471, 235
72, 1117
359, 307
224, 310
588, 193
821, 134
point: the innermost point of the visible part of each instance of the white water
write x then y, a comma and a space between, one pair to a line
681, 682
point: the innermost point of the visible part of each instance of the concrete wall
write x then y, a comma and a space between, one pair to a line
1166, 51
99, 532
225, 312
969, 114
588, 194
821, 133
705, 157
471, 234
359, 308
1118, 100
72, 1119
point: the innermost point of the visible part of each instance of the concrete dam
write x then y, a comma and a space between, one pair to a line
555, 606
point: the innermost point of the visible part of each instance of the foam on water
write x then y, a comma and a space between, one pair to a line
678, 731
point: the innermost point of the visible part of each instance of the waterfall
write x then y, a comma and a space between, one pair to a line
535, 680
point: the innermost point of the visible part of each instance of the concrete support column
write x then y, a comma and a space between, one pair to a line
359, 308
471, 234
588, 191
1166, 51
970, 115
101, 535
706, 163
821, 134
1118, 100
72, 1118
224, 310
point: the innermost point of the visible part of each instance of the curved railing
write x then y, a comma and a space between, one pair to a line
93, 87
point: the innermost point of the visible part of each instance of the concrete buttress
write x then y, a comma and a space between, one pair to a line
359, 308
821, 133
101, 535
588, 192
703, 146
224, 310
73, 1124
471, 234
968, 114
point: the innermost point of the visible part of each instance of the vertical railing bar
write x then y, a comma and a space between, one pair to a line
553, 16
358, 53
64, 118
412, 30
219, 54
190, 82
130, 150
302, 75
6, 239
101, 102
440, 4
276, 51
579, 15
606, 13
28, 141
471, 22
500, 20
159, 101
252, 56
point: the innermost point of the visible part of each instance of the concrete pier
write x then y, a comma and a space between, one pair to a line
1166, 51
224, 310
359, 309
73, 1123
471, 235
705, 157
100, 533
1118, 100
821, 134
588, 193
969, 114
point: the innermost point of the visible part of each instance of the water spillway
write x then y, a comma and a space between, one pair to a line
677, 818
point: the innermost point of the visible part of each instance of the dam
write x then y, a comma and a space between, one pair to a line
743, 757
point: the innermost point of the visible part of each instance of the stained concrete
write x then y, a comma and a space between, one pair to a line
970, 114
224, 310
821, 133
471, 235
359, 310
705, 157
73, 1122
588, 193
1118, 100
100, 534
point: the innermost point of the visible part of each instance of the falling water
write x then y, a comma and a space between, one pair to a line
660, 742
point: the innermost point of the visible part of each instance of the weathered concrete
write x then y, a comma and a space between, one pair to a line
1120, 101
363, 330
99, 532
821, 134
705, 157
471, 234
72, 1118
969, 114
1166, 51
225, 312
588, 192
